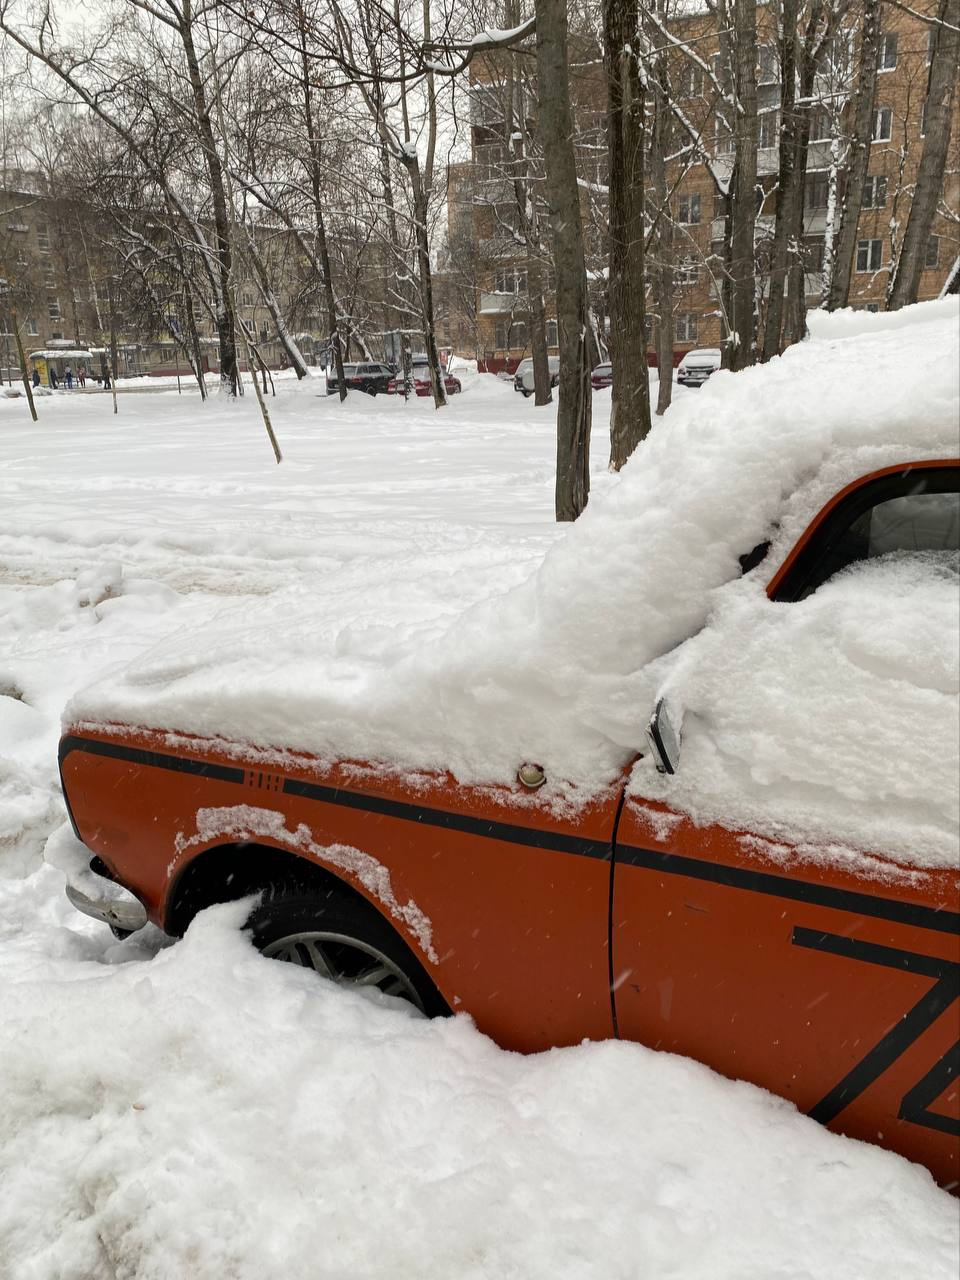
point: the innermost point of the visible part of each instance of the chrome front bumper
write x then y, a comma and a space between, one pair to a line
121, 911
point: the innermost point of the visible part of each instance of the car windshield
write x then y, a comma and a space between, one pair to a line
348, 371
603, 370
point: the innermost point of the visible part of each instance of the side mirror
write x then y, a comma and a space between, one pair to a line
664, 733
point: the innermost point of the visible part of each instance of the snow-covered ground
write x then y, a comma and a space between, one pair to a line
196, 1111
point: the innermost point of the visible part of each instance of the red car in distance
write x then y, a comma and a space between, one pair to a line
421, 382
602, 376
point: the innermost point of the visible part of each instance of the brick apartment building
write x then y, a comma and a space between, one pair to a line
899, 119
68, 294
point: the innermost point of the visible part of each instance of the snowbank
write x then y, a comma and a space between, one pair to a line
233, 1117
558, 669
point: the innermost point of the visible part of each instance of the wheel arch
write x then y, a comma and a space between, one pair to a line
232, 870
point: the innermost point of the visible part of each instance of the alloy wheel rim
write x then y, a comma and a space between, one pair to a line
344, 960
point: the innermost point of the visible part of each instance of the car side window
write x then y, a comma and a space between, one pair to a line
913, 522
914, 510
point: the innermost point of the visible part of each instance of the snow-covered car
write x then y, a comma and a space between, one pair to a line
523, 377
421, 382
821, 977
370, 378
602, 376
696, 366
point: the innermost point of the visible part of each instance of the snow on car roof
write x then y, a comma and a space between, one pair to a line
565, 668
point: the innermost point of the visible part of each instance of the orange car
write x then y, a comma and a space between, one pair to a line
835, 989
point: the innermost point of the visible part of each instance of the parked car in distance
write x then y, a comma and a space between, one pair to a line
762, 965
601, 377
696, 366
370, 378
421, 382
523, 378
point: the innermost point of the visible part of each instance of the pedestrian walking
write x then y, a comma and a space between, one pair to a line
68, 377
54, 380
82, 376
36, 377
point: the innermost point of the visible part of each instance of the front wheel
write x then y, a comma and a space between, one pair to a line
344, 939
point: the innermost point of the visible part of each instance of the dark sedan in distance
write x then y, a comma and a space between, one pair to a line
370, 378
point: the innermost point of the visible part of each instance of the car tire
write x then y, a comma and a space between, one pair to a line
526, 394
342, 937
370, 389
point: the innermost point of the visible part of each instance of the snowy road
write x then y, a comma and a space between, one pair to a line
194, 1111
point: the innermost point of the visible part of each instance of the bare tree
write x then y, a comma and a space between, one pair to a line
863, 129
630, 407
941, 90
576, 340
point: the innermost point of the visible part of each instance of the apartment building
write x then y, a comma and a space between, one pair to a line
697, 203
69, 294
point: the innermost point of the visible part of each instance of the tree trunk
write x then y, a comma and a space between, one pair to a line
425, 272
786, 181
319, 225
537, 328
630, 395
846, 242
663, 240
941, 89
563, 198
819, 27
744, 189
226, 319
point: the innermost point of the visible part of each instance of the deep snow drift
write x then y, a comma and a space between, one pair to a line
556, 670
211, 1115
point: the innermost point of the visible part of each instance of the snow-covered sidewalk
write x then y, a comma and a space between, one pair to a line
195, 1111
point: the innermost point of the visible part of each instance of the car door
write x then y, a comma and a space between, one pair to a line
834, 989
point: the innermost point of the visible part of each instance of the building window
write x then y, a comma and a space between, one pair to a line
687, 273
691, 80
32, 326
511, 334
820, 127
724, 141
932, 257
53, 309
882, 124
813, 254
43, 237
688, 210
769, 128
686, 326
816, 190
874, 192
490, 158
247, 300
768, 66
869, 255
887, 55
552, 338
510, 280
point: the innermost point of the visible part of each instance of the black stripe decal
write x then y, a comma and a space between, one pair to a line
905, 1032
652, 860
531, 836
823, 895
155, 759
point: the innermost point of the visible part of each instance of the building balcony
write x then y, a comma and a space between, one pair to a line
501, 304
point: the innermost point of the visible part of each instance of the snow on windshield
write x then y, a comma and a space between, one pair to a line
558, 669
